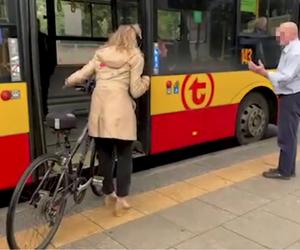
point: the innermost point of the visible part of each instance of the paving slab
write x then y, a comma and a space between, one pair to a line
266, 229
196, 216
2, 226
234, 200
287, 208
269, 188
73, 228
96, 241
3, 243
181, 191
219, 238
3, 212
151, 232
296, 193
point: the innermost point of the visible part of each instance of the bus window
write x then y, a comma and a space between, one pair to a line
72, 19
75, 52
3, 11
264, 16
9, 55
9, 48
169, 24
102, 23
257, 28
89, 21
127, 12
196, 35
83, 19
279, 12
42, 14
7, 11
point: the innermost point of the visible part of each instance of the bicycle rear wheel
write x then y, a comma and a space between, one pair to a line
35, 212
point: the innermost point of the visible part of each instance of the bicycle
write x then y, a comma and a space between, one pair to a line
49, 181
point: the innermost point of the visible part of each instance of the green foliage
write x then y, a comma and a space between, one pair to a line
168, 24
41, 13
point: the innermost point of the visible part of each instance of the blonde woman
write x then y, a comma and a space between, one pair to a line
117, 67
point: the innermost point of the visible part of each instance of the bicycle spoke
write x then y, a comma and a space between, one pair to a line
39, 205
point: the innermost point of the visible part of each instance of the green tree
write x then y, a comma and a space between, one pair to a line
168, 24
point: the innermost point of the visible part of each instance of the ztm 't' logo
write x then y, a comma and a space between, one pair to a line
196, 92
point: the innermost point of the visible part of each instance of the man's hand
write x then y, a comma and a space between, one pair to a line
259, 69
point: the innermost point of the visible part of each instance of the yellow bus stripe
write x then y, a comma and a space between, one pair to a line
14, 113
177, 93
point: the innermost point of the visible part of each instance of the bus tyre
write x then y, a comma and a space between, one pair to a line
253, 118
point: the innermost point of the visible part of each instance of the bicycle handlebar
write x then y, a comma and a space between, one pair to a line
88, 87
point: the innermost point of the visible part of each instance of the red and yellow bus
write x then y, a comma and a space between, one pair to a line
196, 53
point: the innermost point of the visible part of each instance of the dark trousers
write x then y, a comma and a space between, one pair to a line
107, 149
288, 121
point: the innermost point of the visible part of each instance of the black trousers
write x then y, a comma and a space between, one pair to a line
288, 121
107, 149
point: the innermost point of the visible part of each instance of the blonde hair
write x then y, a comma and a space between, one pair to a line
125, 37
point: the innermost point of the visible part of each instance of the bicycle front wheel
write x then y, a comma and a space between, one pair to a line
37, 205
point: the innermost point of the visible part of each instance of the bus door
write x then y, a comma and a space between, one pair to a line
14, 114
73, 31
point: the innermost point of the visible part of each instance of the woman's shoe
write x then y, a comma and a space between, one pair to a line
110, 199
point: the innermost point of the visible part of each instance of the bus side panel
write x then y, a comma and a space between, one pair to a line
181, 129
192, 109
14, 134
15, 158
14, 113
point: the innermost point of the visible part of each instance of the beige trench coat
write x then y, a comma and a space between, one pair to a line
118, 81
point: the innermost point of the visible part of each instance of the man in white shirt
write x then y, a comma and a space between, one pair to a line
286, 83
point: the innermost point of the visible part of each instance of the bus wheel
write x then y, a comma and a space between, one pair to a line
253, 118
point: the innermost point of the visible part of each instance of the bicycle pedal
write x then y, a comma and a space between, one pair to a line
84, 186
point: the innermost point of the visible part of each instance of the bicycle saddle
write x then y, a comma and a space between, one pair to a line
61, 120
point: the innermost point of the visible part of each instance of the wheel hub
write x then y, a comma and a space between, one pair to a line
253, 121
46, 207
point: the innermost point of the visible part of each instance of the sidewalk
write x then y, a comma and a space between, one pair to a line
189, 205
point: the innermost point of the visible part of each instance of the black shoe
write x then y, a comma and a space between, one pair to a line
275, 175
276, 170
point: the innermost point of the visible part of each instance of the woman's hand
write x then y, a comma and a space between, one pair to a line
66, 85
146, 80
66, 82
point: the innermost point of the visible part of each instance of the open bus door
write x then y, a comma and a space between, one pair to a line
73, 48
143, 104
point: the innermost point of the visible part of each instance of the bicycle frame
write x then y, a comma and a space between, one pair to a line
66, 160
